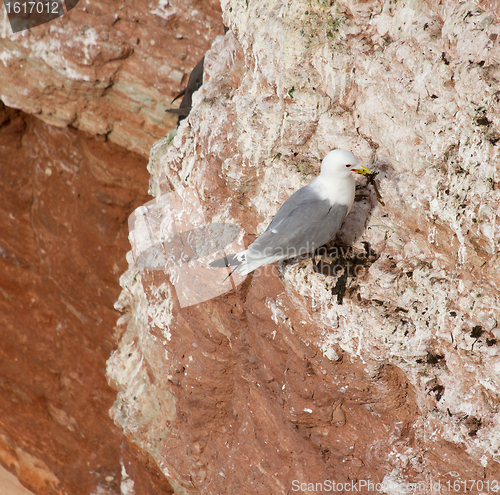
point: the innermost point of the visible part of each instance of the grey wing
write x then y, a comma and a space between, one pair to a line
308, 225
302, 196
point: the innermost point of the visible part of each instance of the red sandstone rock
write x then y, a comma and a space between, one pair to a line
64, 202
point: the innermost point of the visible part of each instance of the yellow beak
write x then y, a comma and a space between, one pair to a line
362, 171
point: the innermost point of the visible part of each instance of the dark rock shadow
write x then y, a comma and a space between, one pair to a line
366, 201
345, 263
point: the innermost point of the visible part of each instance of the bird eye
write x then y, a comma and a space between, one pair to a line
347, 166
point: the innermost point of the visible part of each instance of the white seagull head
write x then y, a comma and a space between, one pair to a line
341, 163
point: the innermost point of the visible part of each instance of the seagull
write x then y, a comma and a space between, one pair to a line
307, 220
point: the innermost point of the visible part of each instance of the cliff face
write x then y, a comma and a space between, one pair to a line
64, 202
275, 383
288, 378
